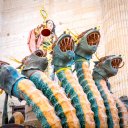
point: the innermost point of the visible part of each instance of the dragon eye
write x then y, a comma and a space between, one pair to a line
39, 53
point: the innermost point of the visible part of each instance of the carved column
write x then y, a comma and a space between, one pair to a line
115, 27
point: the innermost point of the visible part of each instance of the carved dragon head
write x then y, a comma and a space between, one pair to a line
35, 61
108, 66
63, 52
88, 43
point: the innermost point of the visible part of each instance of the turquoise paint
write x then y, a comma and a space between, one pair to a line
106, 103
37, 80
86, 88
70, 92
39, 114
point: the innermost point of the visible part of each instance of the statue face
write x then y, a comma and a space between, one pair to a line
50, 25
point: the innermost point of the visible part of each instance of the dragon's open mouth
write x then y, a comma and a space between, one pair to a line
93, 38
116, 62
66, 44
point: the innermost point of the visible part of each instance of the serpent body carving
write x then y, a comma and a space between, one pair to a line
33, 69
107, 67
63, 54
88, 102
17, 85
87, 46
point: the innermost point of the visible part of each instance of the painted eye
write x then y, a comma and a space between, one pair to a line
39, 53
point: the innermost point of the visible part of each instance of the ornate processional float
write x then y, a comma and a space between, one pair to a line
81, 101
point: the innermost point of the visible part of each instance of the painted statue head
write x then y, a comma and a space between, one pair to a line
88, 43
108, 66
63, 52
50, 25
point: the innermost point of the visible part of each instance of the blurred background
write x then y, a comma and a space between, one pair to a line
18, 17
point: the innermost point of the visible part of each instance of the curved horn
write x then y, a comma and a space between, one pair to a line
121, 65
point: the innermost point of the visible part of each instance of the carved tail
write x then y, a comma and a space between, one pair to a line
89, 87
78, 98
45, 113
57, 97
122, 112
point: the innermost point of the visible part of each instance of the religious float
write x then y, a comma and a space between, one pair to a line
79, 98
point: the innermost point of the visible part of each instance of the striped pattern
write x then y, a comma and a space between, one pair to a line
78, 98
89, 87
40, 105
112, 104
57, 97
108, 105
122, 112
